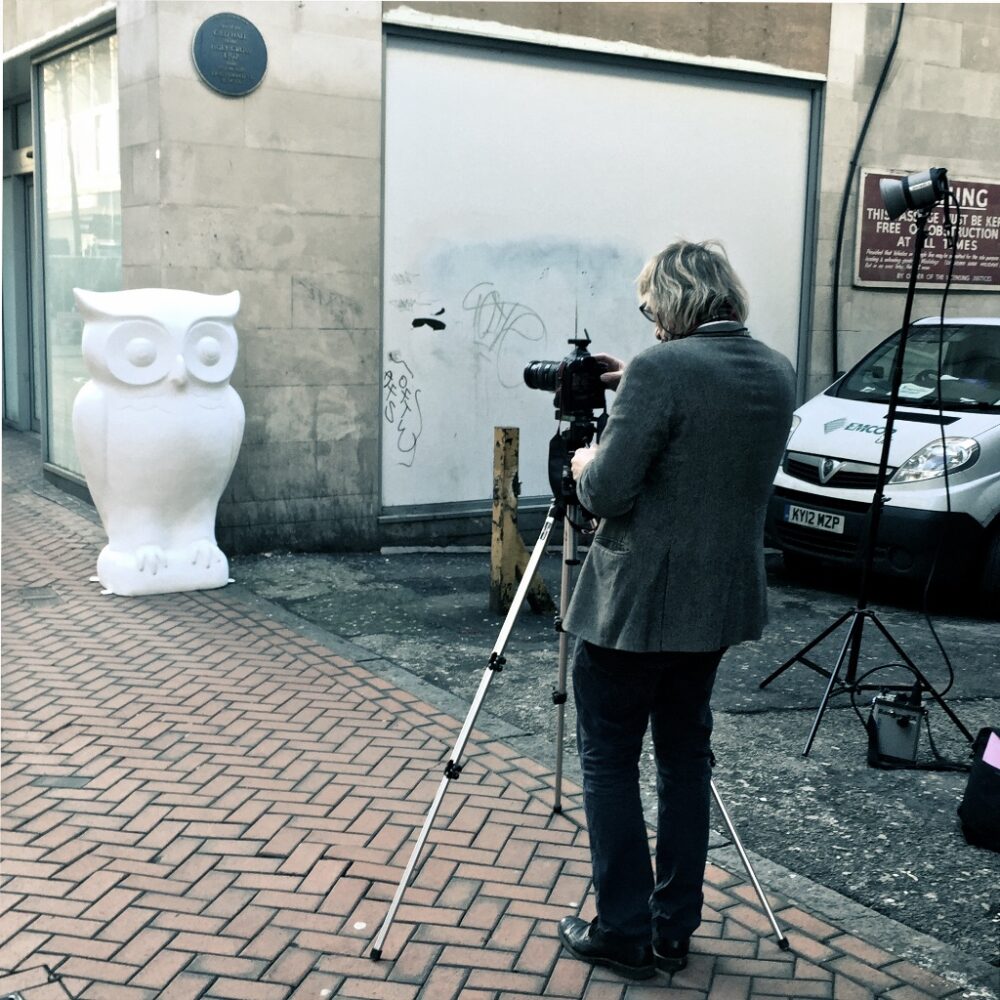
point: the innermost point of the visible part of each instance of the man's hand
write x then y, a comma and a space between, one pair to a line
582, 457
613, 370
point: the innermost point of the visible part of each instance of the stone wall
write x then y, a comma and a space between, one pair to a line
791, 35
276, 194
940, 108
27, 21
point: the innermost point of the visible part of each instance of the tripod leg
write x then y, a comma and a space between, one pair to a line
805, 649
782, 940
454, 766
376, 952
924, 683
452, 770
559, 695
852, 642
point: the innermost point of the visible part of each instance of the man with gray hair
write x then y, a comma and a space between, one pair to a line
674, 576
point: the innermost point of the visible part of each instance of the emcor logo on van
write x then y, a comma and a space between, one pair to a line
835, 425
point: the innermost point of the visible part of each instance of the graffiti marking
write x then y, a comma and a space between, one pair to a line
498, 325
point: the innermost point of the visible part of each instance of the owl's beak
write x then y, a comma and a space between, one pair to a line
178, 373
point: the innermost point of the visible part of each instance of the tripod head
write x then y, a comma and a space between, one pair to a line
579, 433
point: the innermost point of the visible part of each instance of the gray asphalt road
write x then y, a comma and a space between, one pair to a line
889, 840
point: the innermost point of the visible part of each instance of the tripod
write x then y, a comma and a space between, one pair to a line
558, 510
858, 615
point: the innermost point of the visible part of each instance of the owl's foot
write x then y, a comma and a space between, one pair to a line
150, 559
131, 572
206, 553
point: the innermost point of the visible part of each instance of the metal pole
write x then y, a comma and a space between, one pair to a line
783, 943
875, 512
454, 767
559, 694
852, 643
800, 656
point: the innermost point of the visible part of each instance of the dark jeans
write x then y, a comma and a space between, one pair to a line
617, 693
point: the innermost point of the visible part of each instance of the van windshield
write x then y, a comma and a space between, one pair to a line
969, 369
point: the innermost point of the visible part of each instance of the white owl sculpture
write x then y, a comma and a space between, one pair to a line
158, 428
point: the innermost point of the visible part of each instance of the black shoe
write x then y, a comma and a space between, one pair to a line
585, 942
671, 956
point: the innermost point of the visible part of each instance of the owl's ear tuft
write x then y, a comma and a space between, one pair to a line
88, 304
228, 305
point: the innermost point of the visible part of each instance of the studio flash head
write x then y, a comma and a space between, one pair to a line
920, 191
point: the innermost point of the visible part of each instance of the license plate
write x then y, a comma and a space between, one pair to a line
818, 519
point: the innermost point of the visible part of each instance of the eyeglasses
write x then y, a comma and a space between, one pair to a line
648, 313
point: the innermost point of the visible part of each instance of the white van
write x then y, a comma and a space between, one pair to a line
818, 512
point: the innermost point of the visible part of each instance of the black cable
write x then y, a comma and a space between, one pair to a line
944, 765
847, 190
868, 673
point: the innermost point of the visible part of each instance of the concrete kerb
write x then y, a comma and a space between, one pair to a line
852, 917
904, 942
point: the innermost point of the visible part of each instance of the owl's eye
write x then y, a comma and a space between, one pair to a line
141, 352
209, 351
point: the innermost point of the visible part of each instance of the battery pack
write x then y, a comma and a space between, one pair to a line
895, 724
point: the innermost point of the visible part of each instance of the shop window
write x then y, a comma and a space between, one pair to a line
81, 216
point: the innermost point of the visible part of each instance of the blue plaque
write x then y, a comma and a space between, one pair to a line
230, 55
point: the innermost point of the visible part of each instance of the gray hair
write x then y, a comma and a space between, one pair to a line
688, 284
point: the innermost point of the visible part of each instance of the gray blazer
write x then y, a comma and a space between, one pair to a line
681, 481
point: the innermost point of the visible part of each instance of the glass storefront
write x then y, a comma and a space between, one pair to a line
81, 216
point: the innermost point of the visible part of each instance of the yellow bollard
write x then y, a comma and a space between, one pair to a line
508, 555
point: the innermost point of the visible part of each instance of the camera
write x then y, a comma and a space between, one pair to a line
576, 382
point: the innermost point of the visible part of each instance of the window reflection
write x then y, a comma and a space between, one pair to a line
81, 215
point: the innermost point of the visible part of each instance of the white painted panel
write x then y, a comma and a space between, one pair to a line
522, 196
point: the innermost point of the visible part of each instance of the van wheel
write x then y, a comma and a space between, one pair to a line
989, 582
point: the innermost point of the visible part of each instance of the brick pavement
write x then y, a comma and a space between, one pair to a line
201, 802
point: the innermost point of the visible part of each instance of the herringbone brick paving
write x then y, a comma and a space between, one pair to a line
199, 802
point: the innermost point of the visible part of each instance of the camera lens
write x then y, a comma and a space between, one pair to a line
542, 375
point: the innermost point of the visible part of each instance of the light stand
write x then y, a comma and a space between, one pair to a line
857, 616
